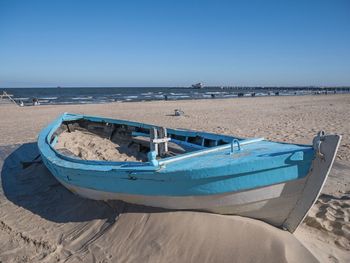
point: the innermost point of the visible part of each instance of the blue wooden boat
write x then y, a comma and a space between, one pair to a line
190, 170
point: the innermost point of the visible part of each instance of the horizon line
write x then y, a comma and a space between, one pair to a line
187, 87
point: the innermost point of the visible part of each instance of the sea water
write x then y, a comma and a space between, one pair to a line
103, 95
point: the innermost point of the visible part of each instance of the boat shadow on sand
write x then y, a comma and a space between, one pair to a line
30, 185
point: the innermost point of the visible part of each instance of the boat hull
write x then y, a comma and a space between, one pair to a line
271, 204
283, 205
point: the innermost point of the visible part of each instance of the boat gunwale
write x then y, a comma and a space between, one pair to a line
53, 126
46, 135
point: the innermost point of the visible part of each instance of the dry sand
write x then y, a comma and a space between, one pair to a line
41, 221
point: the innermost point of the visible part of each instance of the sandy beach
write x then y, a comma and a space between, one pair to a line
42, 221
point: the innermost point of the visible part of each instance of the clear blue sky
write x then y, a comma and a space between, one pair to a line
170, 43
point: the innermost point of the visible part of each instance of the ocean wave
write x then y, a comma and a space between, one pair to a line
180, 96
21, 98
230, 96
82, 98
131, 97
217, 93
175, 94
48, 98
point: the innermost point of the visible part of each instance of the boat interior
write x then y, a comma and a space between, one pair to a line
136, 139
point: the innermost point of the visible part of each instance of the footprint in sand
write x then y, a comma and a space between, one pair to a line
331, 214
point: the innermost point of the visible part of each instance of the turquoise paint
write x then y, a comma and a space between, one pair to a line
258, 164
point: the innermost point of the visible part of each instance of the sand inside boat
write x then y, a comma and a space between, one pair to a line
108, 142
89, 146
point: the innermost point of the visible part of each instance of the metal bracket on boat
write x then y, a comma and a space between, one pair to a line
152, 155
235, 141
317, 144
